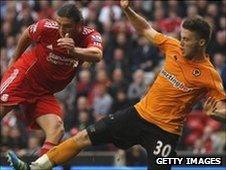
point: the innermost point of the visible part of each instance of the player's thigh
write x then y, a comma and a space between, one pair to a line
121, 129
48, 114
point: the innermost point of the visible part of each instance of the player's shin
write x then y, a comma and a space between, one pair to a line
45, 148
57, 155
41, 163
63, 152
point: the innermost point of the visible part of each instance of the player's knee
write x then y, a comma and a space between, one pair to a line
82, 138
57, 129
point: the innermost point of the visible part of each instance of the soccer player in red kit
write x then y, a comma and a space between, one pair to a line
60, 47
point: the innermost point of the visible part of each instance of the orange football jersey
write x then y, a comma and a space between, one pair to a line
179, 85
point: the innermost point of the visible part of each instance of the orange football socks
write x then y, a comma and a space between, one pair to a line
63, 152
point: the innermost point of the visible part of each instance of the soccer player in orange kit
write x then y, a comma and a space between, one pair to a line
156, 121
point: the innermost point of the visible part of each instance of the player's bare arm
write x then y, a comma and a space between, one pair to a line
22, 45
90, 54
215, 109
139, 23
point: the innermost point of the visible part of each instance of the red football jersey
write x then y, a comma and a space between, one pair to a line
47, 64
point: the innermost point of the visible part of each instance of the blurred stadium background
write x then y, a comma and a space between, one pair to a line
130, 65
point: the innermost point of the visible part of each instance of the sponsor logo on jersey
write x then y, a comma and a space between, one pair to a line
60, 60
174, 81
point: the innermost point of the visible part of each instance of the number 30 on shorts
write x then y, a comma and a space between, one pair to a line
163, 150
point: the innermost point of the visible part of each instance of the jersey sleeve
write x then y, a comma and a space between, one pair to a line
215, 88
36, 30
166, 43
94, 39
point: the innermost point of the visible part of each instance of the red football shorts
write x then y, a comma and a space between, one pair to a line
19, 90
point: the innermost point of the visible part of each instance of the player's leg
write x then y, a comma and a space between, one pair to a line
55, 156
63, 152
47, 114
95, 134
99, 133
114, 128
53, 127
4, 110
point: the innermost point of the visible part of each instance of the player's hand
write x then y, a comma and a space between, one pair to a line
66, 43
124, 4
210, 106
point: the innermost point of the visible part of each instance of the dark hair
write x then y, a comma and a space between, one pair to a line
70, 11
201, 27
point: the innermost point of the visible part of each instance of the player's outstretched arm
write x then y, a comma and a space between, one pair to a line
139, 23
90, 54
22, 45
215, 109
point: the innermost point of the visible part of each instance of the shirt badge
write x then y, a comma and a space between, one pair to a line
196, 72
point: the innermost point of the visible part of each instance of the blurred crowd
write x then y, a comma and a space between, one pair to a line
129, 66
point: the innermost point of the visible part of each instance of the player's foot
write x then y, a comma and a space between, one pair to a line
15, 162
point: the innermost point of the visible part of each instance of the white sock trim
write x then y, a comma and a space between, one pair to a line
41, 163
